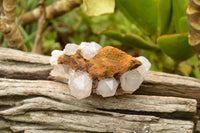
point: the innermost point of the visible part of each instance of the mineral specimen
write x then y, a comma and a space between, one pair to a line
111, 62
76, 61
55, 55
70, 49
89, 50
80, 84
131, 80
107, 87
90, 68
144, 68
61, 72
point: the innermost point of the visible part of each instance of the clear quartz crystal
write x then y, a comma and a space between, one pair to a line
70, 49
80, 84
54, 56
89, 50
131, 80
144, 68
61, 72
107, 87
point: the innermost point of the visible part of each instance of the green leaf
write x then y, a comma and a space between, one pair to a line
132, 40
182, 25
179, 10
176, 46
164, 15
99, 7
142, 12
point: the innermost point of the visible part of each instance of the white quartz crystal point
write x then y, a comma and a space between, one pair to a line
61, 72
107, 87
89, 49
144, 68
70, 49
131, 80
80, 84
54, 56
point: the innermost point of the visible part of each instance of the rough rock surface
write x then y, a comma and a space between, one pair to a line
111, 62
76, 61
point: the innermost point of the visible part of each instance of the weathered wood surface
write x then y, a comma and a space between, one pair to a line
198, 127
35, 106
41, 106
12, 90
22, 65
163, 84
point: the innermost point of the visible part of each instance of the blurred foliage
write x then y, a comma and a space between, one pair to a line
135, 23
99, 7
49, 42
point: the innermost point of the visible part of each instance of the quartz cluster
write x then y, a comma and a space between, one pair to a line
105, 71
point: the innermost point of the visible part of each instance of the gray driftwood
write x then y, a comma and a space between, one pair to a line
41, 106
37, 105
198, 127
22, 65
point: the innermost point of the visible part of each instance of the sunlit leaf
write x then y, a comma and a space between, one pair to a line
176, 46
141, 12
99, 7
184, 69
132, 40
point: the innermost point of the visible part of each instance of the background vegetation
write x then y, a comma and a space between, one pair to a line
130, 33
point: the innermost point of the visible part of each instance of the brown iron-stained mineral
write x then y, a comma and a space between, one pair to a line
76, 61
109, 62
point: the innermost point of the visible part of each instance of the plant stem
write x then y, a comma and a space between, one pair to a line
193, 13
37, 47
56, 9
8, 25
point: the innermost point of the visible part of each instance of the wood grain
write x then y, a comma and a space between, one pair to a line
198, 127
21, 65
30, 103
49, 105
